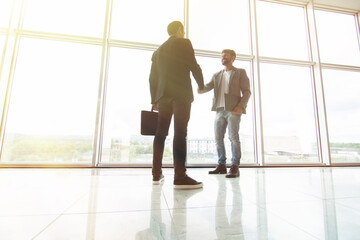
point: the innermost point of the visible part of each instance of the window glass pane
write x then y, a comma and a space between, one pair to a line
343, 114
201, 126
143, 20
2, 44
80, 17
5, 11
127, 94
219, 24
288, 114
338, 41
282, 31
2, 76
53, 103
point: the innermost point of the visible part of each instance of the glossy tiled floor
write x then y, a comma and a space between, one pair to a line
264, 203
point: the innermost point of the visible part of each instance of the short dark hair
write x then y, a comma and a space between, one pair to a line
173, 27
229, 51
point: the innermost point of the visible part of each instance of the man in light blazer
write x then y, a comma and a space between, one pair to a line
172, 94
231, 95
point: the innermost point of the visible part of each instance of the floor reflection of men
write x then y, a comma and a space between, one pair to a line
228, 227
179, 213
157, 229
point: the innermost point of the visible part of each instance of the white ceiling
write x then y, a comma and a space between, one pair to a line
351, 4
347, 4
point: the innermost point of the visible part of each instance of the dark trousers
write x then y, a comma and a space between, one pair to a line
168, 107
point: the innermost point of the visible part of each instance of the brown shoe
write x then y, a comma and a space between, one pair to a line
220, 169
233, 172
158, 179
187, 182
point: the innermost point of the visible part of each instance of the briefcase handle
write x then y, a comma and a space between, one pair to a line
152, 109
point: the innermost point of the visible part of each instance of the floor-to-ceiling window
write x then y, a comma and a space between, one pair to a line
52, 97
339, 51
127, 94
74, 78
342, 91
53, 103
5, 15
288, 116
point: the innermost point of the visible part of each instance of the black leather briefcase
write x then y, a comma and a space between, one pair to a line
149, 122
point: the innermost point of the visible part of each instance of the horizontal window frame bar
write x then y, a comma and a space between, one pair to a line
345, 164
318, 164
340, 67
217, 54
168, 165
59, 37
132, 45
113, 165
44, 165
299, 3
285, 61
4, 31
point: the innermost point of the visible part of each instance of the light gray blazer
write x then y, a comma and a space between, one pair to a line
239, 86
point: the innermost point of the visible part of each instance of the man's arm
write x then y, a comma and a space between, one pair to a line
208, 87
245, 90
153, 79
193, 65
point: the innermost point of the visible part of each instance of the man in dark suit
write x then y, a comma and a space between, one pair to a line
171, 94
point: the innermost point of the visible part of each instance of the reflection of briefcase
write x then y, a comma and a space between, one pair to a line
148, 122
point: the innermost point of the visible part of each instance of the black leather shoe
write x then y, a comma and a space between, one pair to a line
220, 169
233, 172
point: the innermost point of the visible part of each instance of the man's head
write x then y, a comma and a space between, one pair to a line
176, 29
228, 57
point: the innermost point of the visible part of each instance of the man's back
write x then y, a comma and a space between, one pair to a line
170, 73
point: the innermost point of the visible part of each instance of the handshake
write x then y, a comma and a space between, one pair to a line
200, 91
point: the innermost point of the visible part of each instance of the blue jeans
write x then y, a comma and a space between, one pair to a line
227, 119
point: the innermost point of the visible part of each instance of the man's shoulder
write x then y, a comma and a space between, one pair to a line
184, 43
180, 43
239, 72
155, 54
216, 76
218, 73
236, 69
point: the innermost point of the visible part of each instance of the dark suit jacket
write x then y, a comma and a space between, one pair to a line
171, 65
